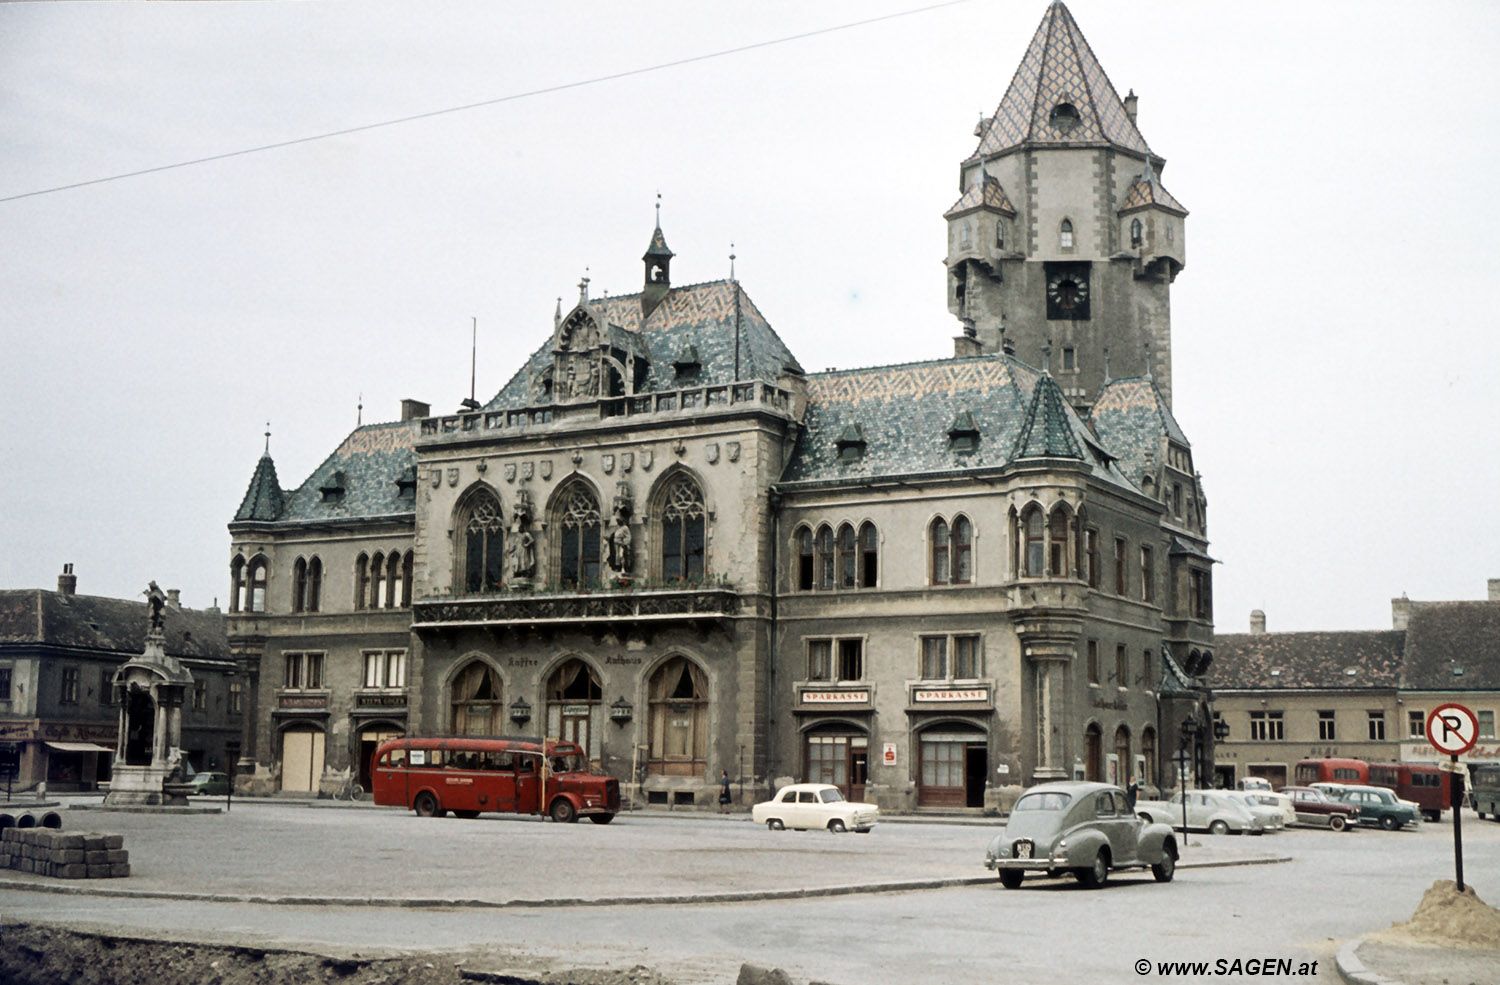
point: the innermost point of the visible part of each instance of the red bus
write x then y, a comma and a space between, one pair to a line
468, 775
1422, 783
1310, 771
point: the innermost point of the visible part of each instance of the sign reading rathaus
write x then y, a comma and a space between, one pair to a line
664, 540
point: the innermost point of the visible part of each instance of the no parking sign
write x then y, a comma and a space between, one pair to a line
1453, 729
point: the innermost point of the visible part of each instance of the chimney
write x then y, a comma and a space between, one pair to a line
1130, 103
1400, 612
1257, 622
414, 409
67, 582
174, 597
1494, 584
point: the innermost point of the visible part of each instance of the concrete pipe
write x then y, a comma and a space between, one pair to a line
26, 821
7, 820
51, 819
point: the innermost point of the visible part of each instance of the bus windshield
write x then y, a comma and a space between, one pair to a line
567, 762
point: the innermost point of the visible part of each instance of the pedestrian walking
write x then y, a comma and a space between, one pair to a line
1131, 792
723, 791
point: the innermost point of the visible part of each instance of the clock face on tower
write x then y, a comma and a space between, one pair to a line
1067, 291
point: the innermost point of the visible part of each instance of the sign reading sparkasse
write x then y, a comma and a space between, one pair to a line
1452, 729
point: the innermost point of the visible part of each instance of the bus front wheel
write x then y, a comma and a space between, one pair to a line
426, 805
563, 811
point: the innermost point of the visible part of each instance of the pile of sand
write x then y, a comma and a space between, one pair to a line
1448, 918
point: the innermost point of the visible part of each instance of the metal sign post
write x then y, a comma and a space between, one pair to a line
1453, 729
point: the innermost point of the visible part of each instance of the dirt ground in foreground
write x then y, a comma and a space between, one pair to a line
36, 954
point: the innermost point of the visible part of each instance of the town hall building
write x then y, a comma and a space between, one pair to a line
662, 538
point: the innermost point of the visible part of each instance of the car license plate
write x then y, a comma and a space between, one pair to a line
1023, 849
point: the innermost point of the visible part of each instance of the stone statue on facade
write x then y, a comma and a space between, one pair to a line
157, 600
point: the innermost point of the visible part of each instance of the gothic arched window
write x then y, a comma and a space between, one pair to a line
942, 552
679, 719
1035, 554
682, 530
377, 581
259, 570
476, 700
1136, 232
406, 573
361, 581
963, 553
825, 557
1059, 534
804, 559
869, 555
237, 583
1065, 234
483, 544
848, 566
578, 527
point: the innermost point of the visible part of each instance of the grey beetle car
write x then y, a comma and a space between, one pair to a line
1083, 828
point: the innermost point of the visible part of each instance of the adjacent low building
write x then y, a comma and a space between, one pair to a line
1358, 695
59, 711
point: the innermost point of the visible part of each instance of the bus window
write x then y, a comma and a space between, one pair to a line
394, 758
525, 764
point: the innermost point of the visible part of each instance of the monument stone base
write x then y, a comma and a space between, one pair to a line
145, 786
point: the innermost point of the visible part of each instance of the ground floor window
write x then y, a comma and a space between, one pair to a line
840, 757
953, 765
573, 702
477, 700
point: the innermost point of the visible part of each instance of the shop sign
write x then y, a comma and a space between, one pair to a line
304, 701
951, 694
888, 756
379, 701
836, 697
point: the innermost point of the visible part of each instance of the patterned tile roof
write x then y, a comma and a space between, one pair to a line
1146, 190
1060, 67
263, 500
905, 414
361, 477
989, 196
1131, 418
699, 315
89, 622
1443, 637
1307, 660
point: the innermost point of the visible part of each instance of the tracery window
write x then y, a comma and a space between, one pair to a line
307, 583
477, 700
682, 530
1035, 544
942, 573
963, 554
483, 544
258, 571
805, 559
579, 526
361, 581
377, 581
1059, 534
237, 583
825, 558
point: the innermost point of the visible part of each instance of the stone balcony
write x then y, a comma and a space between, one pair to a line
613, 610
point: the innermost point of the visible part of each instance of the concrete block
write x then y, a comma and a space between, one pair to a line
99, 871
112, 841
72, 871
100, 857
68, 855
115, 855
119, 870
94, 843
70, 842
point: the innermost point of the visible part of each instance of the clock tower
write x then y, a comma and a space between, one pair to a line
1063, 235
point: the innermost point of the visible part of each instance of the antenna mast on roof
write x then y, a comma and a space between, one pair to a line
469, 403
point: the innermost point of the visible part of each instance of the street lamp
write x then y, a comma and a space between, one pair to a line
1190, 732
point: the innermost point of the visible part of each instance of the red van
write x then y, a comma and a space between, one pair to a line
1421, 783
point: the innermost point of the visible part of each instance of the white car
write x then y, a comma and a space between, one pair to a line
814, 805
1271, 817
1208, 810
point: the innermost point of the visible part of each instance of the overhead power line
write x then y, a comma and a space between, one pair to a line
545, 90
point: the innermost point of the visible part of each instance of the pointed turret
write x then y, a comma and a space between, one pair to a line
1047, 432
264, 499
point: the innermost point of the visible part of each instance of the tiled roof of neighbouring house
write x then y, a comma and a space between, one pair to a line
1307, 660
89, 622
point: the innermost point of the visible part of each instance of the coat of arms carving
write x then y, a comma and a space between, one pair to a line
711, 452
453, 477
546, 468
607, 462
627, 461
527, 469
510, 471
732, 450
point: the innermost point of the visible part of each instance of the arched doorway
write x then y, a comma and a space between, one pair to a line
477, 700
839, 754
140, 727
952, 767
1093, 753
573, 701
302, 749
679, 719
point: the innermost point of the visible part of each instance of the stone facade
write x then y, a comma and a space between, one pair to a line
930, 584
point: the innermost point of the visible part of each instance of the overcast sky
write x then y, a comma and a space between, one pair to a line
1334, 330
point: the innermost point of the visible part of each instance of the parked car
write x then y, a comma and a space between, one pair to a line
814, 805
1280, 801
1315, 808
1255, 784
1207, 810
1087, 829
1270, 814
1377, 805
210, 784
